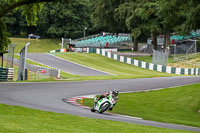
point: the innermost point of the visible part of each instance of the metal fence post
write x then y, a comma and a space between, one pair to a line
22, 63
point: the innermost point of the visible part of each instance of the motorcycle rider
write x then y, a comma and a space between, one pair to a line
114, 95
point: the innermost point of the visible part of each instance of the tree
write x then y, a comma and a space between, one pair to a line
125, 14
16, 23
139, 17
191, 11
103, 15
6, 6
152, 16
64, 20
170, 14
4, 41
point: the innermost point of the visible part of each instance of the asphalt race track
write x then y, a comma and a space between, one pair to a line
64, 65
48, 96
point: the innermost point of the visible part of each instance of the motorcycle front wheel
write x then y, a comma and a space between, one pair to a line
104, 107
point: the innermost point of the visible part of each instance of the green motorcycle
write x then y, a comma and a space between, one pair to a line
106, 103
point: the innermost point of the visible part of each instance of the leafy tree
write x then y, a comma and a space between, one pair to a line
103, 15
125, 14
139, 17
6, 6
4, 41
64, 20
170, 14
16, 23
191, 11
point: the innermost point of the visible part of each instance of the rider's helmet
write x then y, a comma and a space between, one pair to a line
115, 92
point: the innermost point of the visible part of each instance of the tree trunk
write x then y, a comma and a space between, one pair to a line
135, 45
167, 39
154, 40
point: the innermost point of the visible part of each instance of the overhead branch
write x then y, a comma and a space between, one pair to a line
21, 3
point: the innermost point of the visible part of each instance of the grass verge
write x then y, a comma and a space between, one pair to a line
120, 70
24, 120
149, 59
178, 105
36, 45
191, 63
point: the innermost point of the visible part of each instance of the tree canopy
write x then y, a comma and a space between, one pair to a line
30, 9
151, 16
68, 19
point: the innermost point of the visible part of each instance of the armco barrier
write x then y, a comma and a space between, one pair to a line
150, 66
6, 74
88, 50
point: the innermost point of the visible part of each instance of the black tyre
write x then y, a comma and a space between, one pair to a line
104, 107
92, 110
110, 109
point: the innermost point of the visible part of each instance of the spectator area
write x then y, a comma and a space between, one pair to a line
179, 38
101, 41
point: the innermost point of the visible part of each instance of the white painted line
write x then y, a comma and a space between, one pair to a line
90, 96
71, 101
132, 117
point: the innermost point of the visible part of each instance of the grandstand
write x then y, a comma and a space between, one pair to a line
180, 38
177, 42
106, 40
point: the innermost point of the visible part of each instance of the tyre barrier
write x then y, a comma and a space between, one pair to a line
6, 74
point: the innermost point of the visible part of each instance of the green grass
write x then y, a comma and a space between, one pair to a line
15, 119
120, 70
191, 63
36, 46
178, 105
144, 58
149, 59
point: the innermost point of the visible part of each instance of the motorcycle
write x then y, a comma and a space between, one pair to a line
106, 103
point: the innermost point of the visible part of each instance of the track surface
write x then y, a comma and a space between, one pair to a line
64, 65
48, 96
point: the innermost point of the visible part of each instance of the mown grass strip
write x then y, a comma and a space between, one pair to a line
24, 120
36, 45
178, 105
120, 70
149, 59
